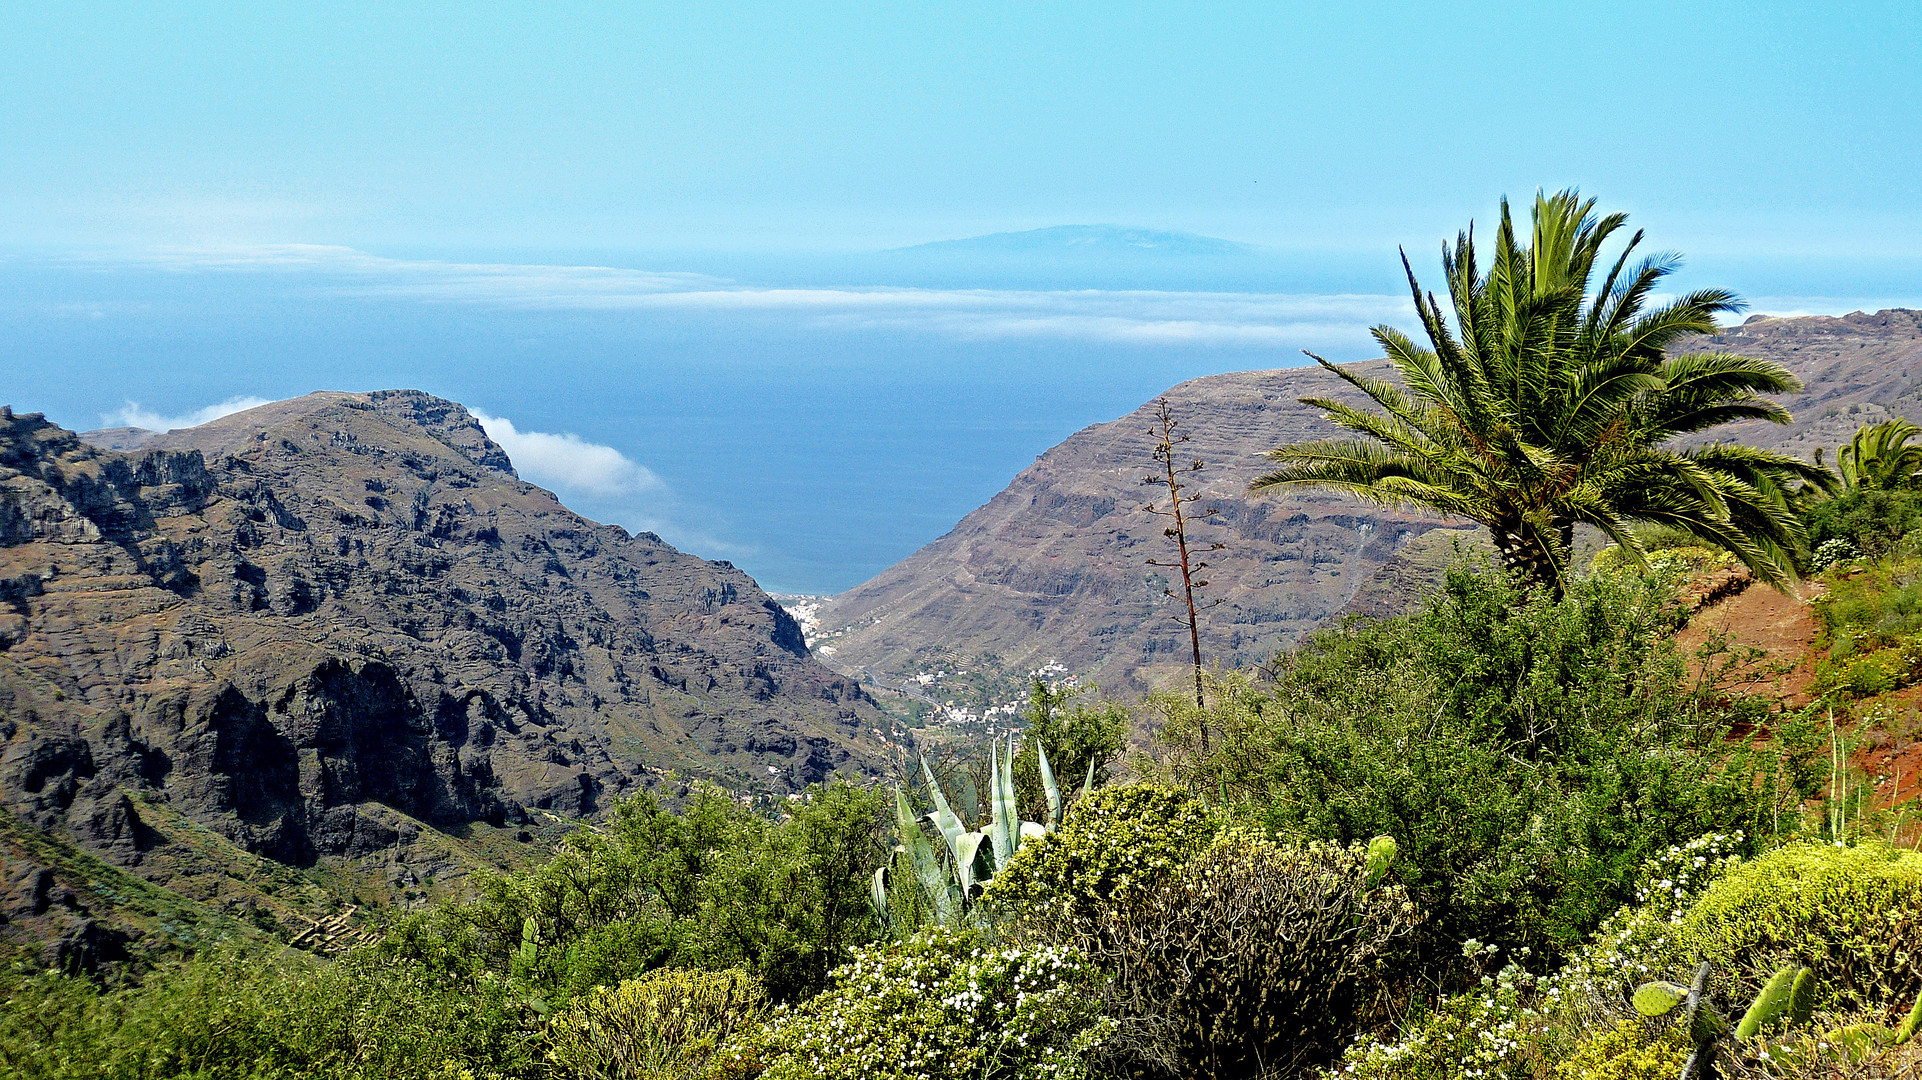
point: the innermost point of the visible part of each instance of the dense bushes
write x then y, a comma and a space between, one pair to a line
1526, 754
1571, 811
670, 1024
942, 1005
1853, 914
1250, 957
714, 886
1116, 841
290, 1017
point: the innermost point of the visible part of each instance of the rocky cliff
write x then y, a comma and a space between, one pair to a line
332, 629
1055, 567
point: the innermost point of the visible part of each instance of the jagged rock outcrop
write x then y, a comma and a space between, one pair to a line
319, 627
1054, 568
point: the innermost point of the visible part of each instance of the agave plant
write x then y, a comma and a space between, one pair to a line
950, 885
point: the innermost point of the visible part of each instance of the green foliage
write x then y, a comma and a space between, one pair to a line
1117, 840
1872, 608
941, 1005
1527, 755
1852, 914
1542, 407
1626, 1052
1074, 735
666, 1025
1252, 958
225, 1016
714, 886
1881, 456
945, 890
1870, 520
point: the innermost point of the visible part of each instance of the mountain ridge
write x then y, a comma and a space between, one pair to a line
336, 631
1053, 568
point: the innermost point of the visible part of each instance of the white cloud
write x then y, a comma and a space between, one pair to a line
568, 462
1138, 316
132, 415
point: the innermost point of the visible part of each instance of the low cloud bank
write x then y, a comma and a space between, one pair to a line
133, 415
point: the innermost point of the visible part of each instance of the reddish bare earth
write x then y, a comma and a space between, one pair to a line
1782, 627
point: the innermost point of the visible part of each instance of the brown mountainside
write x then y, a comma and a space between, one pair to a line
1054, 568
339, 627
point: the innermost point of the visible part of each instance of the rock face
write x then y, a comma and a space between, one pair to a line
315, 626
1055, 567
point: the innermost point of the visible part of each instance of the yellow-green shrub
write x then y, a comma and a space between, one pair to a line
665, 1025
1116, 841
943, 1005
1854, 914
1626, 1052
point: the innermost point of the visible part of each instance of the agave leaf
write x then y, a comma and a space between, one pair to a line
966, 851
878, 896
935, 881
1048, 785
1088, 784
1000, 809
945, 819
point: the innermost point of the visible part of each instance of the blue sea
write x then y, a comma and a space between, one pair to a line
812, 418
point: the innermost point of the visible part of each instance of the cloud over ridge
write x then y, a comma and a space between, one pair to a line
570, 463
133, 415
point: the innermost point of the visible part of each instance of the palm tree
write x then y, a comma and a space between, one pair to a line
1544, 407
1881, 456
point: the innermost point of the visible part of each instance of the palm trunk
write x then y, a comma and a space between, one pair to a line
1531, 557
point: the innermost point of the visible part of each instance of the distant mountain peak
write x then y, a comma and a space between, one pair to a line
1095, 240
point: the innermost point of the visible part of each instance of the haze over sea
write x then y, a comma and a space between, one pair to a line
812, 418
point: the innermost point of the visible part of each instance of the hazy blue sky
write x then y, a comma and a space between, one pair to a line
1726, 128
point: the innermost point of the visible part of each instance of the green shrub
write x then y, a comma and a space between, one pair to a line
1527, 755
1866, 676
1116, 841
1872, 520
1627, 1052
665, 1025
1853, 914
942, 1005
714, 886
286, 1017
1251, 957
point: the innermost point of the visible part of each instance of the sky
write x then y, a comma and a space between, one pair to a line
1737, 128
653, 245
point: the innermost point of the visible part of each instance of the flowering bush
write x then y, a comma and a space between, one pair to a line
943, 1005
1518, 1025
1479, 1034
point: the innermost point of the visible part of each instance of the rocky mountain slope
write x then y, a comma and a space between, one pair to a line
1054, 568
339, 633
